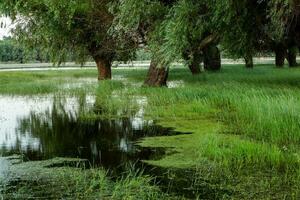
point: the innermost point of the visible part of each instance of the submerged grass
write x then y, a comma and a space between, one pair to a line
44, 179
244, 123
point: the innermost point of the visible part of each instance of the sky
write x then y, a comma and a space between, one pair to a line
4, 30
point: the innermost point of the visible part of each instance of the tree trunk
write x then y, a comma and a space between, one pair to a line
195, 68
292, 57
195, 63
157, 76
194, 60
212, 58
280, 56
249, 61
104, 68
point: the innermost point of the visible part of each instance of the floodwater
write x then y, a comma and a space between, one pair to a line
46, 127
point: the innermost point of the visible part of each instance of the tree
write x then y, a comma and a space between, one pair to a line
6, 50
252, 27
242, 28
11, 52
284, 30
172, 30
193, 30
141, 21
293, 42
78, 26
243, 32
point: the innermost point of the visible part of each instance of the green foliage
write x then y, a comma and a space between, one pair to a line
172, 29
6, 51
186, 23
134, 15
62, 27
10, 51
244, 33
280, 14
244, 28
143, 54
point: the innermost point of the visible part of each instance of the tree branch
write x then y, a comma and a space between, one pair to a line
207, 41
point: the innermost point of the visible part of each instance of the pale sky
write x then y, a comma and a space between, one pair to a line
5, 29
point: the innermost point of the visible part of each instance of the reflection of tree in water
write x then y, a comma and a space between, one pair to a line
62, 134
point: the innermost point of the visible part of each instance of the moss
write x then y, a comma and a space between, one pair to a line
183, 149
208, 142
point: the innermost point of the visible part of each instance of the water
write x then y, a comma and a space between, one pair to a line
46, 127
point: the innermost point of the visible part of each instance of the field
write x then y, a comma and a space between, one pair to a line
243, 125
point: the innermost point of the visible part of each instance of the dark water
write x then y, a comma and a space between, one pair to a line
47, 127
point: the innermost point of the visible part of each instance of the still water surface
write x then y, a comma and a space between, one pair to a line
45, 127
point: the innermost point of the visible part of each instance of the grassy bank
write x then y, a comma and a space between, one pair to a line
244, 123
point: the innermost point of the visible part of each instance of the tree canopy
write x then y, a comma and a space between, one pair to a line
79, 26
241, 27
11, 51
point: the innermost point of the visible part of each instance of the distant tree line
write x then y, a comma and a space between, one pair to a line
10, 51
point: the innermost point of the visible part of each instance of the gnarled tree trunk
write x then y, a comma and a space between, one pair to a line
104, 68
157, 76
195, 64
292, 57
212, 58
249, 61
280, 52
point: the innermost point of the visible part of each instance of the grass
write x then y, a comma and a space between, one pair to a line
44, 179
244, 123
61, 81
40, 82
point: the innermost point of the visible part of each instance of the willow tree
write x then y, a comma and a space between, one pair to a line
172, 30
141, 21
250, 27
78, 26
270, 25
243, 32
189, 33
284, 29
293, 33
